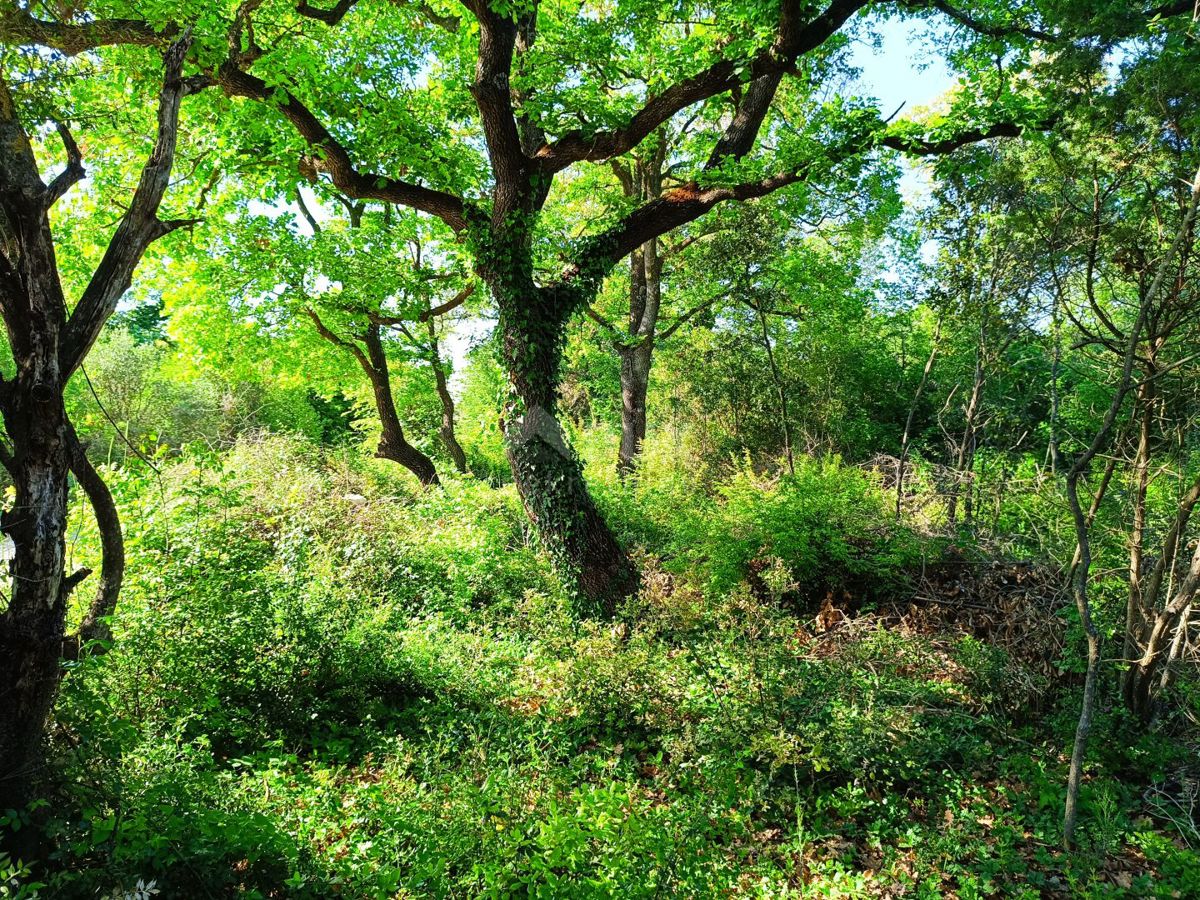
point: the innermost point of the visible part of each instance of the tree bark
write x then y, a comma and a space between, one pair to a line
32, 627
546, 471
392, 443
47, 345
635, 386
95, 626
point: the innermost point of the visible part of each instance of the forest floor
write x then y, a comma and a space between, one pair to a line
326, 685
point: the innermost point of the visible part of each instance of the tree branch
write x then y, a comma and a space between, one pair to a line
112, 546
981, 27
74, 171
688, 316
138, 228
328, 16
684, 204
333, 159
453, 303
349, 346
793, 39
17, 26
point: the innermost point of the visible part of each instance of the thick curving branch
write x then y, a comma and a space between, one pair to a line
332, 158
794, 38
689, 202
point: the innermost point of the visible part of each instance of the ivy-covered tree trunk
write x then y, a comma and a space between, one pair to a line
547, 472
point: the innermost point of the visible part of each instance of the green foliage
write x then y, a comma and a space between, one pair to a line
322, 681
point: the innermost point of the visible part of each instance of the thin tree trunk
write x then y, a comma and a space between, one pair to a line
1136, 600
95, 626
635, 385
1136, 685
1143, 673
446, 432
392, 443
1083, 570
965, 452
780, 390
912, 411
642, 181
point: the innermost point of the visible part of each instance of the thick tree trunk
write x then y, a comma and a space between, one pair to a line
47, 345
32, 627
546, 471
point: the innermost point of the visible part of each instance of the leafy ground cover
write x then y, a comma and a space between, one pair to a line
326, 685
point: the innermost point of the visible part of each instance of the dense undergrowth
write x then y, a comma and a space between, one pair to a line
326, 684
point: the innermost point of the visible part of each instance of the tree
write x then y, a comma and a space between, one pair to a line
48, 342
371, 301
537, 69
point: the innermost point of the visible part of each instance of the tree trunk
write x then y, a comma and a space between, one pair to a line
965, 452
902, 460
780, 391
1137, 685
642, 181
1140, 681
1135, 606
392, 443
32, 627
546, 471
635, 384
95, 626
446, 432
